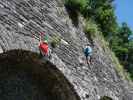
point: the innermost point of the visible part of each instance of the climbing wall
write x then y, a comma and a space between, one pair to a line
20, 24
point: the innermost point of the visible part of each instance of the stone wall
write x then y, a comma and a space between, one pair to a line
20, 24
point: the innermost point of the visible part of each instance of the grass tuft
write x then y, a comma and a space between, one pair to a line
55, 41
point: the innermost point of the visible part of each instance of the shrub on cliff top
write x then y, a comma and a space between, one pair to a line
76, 5
90, 28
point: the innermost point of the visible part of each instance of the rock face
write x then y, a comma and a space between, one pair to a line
24, 76
20, 24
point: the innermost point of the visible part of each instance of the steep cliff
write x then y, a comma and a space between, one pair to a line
20, 24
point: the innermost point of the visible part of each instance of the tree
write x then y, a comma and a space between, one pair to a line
102, 11
125, 32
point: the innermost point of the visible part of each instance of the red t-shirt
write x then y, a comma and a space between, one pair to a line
44, 47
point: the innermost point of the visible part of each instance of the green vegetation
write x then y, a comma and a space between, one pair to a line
55, 41
100, 18
90, 28
123, 48
101, 11
106, 98
76, 5
73, 8
122, 72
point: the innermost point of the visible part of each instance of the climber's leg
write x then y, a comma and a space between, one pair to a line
49, 54
91, 59
41, 54
87, 60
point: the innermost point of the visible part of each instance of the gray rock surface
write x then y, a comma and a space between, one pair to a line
20, 24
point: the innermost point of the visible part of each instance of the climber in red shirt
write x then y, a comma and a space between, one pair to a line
43, 45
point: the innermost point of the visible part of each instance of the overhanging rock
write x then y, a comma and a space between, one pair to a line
24, 76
